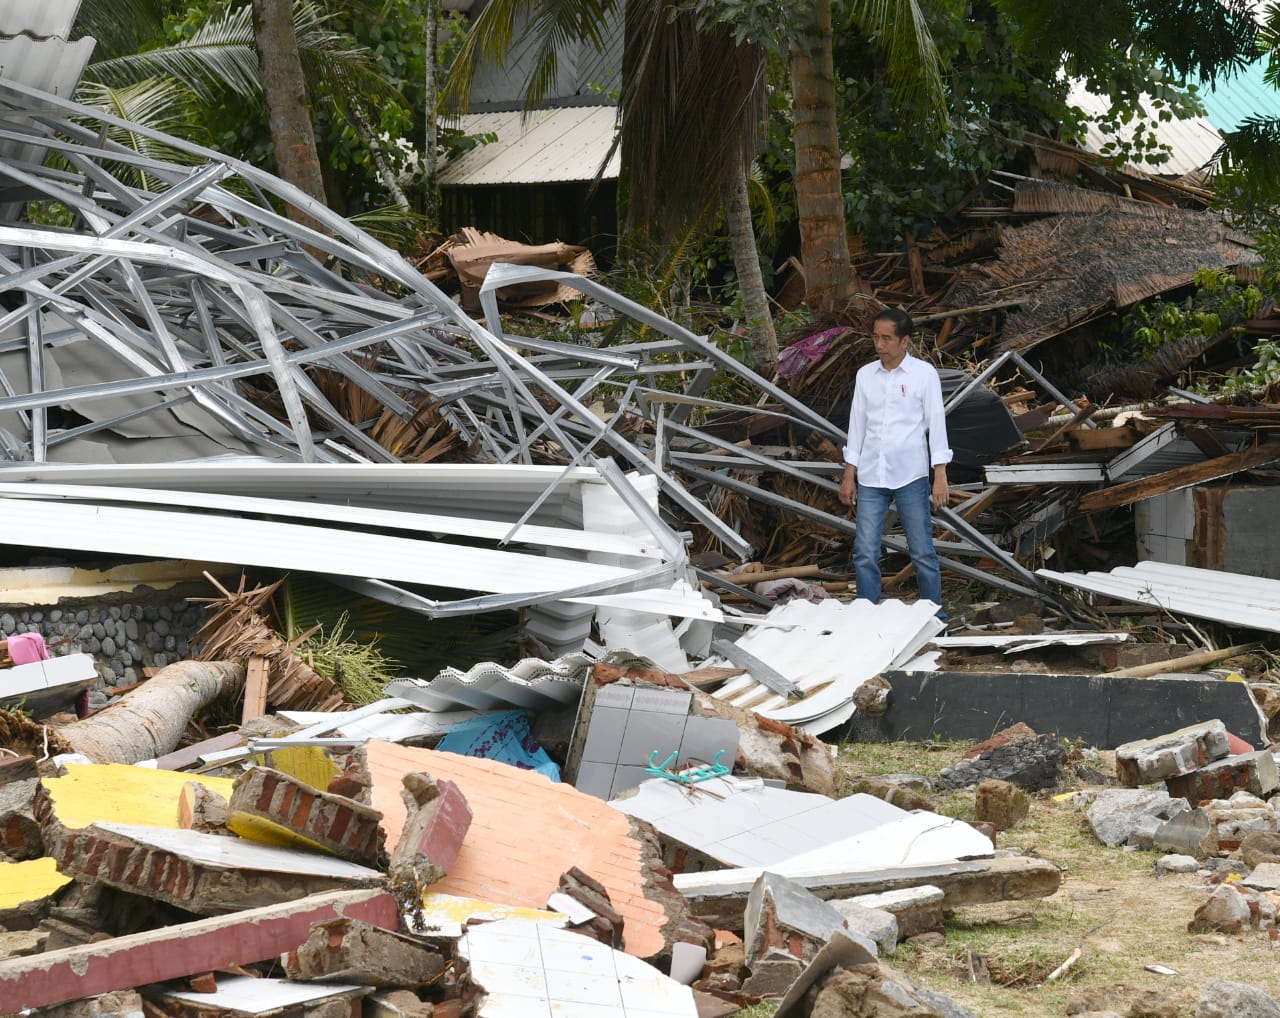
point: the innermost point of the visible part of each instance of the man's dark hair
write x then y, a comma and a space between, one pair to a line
900, 320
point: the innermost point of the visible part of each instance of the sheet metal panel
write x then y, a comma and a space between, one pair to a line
554, 145
166, 534
49, 17
1250, 602
828, 649
1193, 141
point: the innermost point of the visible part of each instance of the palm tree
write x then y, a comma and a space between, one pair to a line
914, 68
222, 57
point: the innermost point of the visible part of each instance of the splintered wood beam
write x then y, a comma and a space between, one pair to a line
255, 688
1181, 477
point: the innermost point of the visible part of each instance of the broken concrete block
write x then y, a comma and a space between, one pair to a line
1265, 877
437, 821
1001, 804
1260, 847
19, 833
1226, 911
202, 809
202, 873
1236, 818
273, 808
899, 795
719, 897
606, 923
1166, 756
877, 925
1189, 831
916, 909
1114, 813
19, 943
118, 1004
396, 1004
785, 916
351, 951
27, 888
773, 975
1250, 772
172, 952
773, 749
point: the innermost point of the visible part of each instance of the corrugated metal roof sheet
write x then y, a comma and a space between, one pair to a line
1252, 602
1193, 141
554, 145
810, 645
50, 17
1231, 101
52, 65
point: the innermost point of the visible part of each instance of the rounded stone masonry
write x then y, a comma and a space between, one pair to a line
127, 634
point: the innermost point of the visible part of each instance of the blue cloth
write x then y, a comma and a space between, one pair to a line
504, 736
913, 501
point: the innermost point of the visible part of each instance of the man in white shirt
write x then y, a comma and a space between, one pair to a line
897, 453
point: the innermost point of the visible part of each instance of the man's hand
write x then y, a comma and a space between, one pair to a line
849, 486
941, 493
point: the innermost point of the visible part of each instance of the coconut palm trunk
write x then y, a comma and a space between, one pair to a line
824, 242
285, 90
149, 722
761, 337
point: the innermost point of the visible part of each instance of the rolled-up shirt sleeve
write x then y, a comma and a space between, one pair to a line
935, 422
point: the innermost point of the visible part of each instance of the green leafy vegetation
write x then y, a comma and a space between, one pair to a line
359, 668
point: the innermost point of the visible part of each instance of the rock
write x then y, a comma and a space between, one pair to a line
1226, 911
1223, 999
1265, 877
875, 924
1260, 847
1177, 864
876, 991
1029, 763
872, 697
900, 796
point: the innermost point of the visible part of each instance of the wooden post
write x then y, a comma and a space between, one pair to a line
255, 689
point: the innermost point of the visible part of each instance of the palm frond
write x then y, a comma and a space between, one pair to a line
914, 66
219, 57
493, 34
394, 226
691, 98
160, 104
121, 26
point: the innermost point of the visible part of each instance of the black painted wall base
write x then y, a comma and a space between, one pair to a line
1103, 713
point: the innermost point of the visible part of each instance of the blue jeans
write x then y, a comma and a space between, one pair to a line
913, 501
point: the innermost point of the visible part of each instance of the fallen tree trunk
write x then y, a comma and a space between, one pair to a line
149, 722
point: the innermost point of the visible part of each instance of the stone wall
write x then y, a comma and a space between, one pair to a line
125, 633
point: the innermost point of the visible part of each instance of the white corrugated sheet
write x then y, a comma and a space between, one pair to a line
1192, 142
828, 649
557, 145
1251, 602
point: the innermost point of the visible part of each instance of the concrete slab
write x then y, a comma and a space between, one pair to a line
718, 897
250, 997
782, 914
182, 950
203, 873
24, 883
1102, 712
88, 793
44, 687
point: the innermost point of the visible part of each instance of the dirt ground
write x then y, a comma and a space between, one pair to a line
995, 959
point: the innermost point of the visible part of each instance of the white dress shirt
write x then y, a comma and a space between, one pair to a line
897, 431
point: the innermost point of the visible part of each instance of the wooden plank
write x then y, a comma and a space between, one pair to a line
1086, 439
1181, 477
915, 266
255, 688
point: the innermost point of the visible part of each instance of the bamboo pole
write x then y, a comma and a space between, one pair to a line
1207, 657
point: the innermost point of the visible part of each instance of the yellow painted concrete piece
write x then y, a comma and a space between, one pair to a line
21, 882
309, 764
123, 794
268, 832
438, 909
